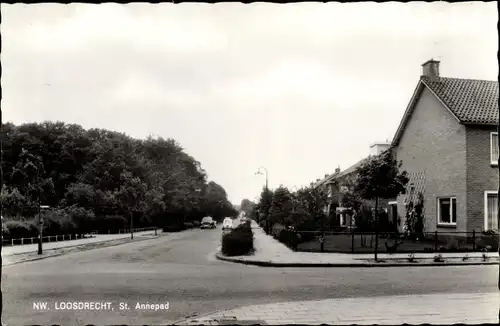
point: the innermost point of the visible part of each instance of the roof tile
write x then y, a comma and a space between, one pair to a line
472, 101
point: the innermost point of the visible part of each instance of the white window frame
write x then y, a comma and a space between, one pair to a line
492, 161
451, 223
486, 193
341, 211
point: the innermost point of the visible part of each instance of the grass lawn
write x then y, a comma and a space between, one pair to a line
343, 243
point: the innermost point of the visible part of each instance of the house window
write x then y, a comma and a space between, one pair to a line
491, 210
447, 211
494, 148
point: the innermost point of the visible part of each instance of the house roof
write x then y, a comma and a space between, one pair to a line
471, 101
325, 180
348, 171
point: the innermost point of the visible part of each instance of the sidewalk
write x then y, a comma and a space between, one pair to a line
271, 252
447, 308
21, 249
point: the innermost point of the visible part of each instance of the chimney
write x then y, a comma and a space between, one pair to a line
378, 148
326, 176
431, 68
337, 170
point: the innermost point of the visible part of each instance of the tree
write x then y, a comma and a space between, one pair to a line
313, 202
247, 206
264, 207
379, 177
281, 206
92, 173
131, 196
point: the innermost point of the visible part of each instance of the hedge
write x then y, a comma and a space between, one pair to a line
289, 238
239, 241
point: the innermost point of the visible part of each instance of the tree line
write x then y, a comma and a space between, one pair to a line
101, 180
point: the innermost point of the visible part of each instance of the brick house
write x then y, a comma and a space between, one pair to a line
448, 143
336, 183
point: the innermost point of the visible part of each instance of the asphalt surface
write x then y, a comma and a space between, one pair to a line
180, 271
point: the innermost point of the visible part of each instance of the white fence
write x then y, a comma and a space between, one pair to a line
67, 237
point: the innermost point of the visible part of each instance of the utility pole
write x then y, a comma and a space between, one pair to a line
266, 216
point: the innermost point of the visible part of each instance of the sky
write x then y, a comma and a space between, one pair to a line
299, 88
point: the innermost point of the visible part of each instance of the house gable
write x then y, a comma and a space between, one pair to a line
431, 145
421, 86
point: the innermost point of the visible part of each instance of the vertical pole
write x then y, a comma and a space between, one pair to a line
473, 240
267, 204
376, 227
435, 240
352, 239
40, 229
322, 234
132, 226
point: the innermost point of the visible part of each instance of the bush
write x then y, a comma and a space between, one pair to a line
238, 242
306, 236
196, 224
21, 229
488, 242
115, 222
288, 238
276, 229
58, 222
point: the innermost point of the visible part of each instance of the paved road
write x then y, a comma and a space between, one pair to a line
180, 269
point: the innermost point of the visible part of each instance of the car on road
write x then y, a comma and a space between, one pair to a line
208, 223
227, 224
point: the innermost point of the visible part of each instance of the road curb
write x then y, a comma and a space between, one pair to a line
106, 245
219, 256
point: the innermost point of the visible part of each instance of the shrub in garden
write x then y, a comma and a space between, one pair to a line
488, 241
307, 236
288, 238
276, 229
238, 242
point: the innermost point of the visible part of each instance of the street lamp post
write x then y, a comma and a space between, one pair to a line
266, 213
40, 227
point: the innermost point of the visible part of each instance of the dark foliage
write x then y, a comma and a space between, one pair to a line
101, 180
239, 241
